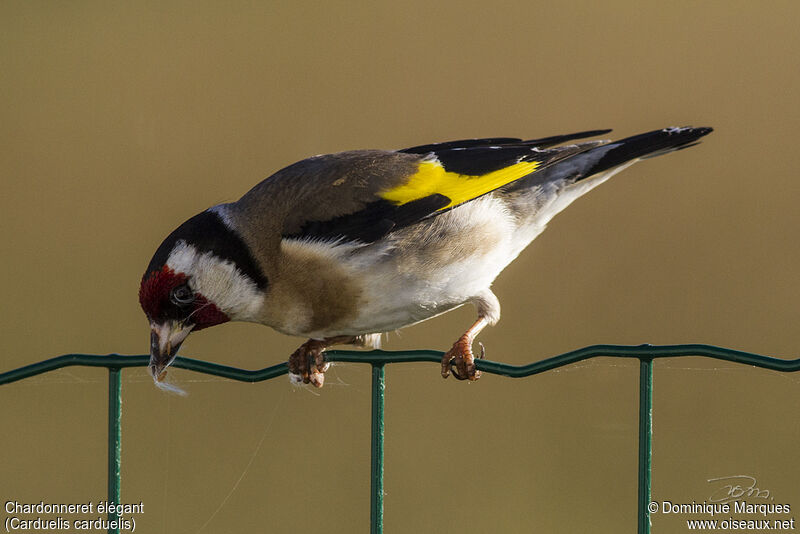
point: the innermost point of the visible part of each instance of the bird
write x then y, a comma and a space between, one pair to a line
342, 248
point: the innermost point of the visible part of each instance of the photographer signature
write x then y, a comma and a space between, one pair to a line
735, 487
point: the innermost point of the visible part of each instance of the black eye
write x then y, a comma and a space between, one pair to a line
181, 295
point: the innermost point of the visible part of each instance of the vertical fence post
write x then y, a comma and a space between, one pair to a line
645, 440
114, 442
378, 401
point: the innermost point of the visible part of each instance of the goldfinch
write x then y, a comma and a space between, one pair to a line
341, 248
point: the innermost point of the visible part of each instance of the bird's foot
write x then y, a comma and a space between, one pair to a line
307, 364
461, 361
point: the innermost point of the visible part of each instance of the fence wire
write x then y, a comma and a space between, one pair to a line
378, 360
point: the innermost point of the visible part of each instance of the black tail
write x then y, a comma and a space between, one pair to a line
591, 159
644, 145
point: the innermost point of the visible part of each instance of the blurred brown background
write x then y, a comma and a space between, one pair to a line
121, 120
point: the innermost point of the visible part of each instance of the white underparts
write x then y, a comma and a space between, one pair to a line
218, 280
488, 307
370, 341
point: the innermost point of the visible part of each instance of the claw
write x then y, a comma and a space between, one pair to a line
317, 379
460, 360
319, 361
307, 364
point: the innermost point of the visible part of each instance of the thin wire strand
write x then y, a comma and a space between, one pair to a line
249, 463
166, 468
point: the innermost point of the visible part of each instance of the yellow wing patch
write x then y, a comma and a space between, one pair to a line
431, 178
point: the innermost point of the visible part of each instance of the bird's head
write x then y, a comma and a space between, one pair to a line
202, 275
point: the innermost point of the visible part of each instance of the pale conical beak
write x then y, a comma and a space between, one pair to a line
165, 340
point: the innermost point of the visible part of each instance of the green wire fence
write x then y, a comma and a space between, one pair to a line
378, 360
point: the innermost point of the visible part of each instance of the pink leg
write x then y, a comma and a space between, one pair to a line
460, 358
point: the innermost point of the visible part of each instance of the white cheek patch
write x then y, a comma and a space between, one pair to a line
220, 281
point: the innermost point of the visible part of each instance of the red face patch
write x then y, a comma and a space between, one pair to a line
206, 314
155, 289
155, 298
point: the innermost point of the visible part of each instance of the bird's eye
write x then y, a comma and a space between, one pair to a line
181, 295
